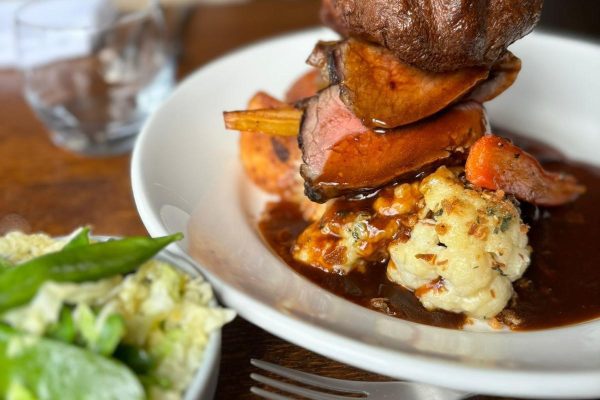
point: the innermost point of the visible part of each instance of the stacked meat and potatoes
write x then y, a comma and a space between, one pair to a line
386, 146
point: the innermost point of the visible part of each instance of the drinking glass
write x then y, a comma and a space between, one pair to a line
93, 69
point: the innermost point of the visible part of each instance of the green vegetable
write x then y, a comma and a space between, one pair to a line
101, 337
85, 324
77, 264
64, 329
505, 224
49, 370
139, 360
111, 333
150, 381
4, 263
16, 391
81, 239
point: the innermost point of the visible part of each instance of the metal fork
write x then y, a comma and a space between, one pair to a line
367, 390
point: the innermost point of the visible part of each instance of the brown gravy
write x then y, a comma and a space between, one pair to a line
560, 287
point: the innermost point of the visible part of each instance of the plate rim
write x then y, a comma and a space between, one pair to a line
475, 378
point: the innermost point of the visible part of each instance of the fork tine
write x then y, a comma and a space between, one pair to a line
310, 379
267, 395
293, 389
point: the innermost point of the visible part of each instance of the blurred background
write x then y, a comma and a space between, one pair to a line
205, 17
573, 17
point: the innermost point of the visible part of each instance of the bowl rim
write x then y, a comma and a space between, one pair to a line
203, 383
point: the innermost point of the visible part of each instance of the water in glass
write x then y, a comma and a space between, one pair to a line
94, 69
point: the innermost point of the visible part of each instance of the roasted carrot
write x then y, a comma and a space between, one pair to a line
495, 163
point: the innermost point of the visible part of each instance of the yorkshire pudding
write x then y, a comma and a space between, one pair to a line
436, 35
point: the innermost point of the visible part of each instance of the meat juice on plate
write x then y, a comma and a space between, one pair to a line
427, 211
560, 287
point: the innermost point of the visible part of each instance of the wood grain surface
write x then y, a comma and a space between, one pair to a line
43, 188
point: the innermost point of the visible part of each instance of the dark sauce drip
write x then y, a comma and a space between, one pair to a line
560, 287
281, 226
562, 284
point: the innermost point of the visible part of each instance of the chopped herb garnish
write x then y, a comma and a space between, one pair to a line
342, 213
505, 224
499, 270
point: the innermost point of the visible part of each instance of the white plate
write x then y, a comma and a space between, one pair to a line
186, 174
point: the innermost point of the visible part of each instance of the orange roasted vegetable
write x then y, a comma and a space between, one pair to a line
284, 121
495, 163
271, 162
306, 86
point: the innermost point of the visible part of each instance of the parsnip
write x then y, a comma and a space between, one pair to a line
275, 122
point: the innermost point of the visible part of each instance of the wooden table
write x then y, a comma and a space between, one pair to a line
43, 188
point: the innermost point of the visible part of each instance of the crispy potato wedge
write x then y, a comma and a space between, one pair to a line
306, 86
271, 162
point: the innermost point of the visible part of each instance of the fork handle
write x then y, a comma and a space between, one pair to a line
412, 391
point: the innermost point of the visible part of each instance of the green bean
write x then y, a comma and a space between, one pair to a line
48, 369
100, 260
82, 238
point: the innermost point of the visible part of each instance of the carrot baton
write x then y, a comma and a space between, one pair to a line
495, 163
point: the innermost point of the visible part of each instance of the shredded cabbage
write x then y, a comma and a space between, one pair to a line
166, 312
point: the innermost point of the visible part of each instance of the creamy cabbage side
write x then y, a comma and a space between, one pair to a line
166, 312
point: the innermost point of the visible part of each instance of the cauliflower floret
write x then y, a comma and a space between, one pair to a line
336, 246
465, 250
351, 234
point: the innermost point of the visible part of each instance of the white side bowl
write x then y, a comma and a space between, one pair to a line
204, 383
